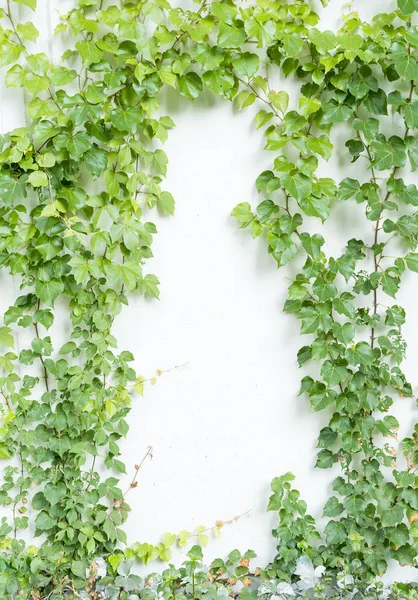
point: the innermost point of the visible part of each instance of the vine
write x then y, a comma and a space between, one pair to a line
77, 187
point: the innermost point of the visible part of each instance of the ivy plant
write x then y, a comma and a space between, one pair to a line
78, 188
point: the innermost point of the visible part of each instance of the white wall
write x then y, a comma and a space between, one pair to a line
229, 420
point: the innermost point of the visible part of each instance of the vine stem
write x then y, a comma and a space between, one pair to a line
134, 481
40, 356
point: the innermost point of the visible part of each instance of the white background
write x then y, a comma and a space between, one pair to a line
229, 420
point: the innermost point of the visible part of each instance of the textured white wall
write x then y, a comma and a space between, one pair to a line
229, 420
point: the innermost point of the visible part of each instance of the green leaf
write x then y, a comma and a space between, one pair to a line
166, 202
326, 459
219, 81
407, 7
38, 179
6, 337
316, 207
49, 246
410, 113
333, 373
190, 85
246, 64
388, 153
61, 75
360, 354
333, 112
335, 533
344, 333
48, 291
244, 99
79, 569
297, 185
44, 522
55, 494
405, 63
96, 161
405, 555
307, 106
78, 144
323, 40
326, 438
243, 213
230, 36
292, 44
27, 31
312, 244
30, 3
348, 188
355, 505
89, 52
10, 190
333, 507
411, 260
15, 76
320, 145
128, 119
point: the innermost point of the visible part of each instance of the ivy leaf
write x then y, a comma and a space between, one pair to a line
387, 154
334, 112
407, 7
405, 63
55, 493
48, 291
292, 44
405, 555
44, 522
348, 188
79, 569
333, 507
246, 64
333, 373
166, 202
360, 354
127, 119
320, 145
96, 161
30, 3
78, 144
316, 207
326, 438
190, 85
243, 213
89, 52
6, 338
231, 36
10, 189
410, 113
219, 81
27, 31
324, 41
297, 184
49, 246
335, 533
38, 179
355, 505
344, 333
326, 459
411, 260
312, 244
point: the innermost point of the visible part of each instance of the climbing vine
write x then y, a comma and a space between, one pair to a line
78, 187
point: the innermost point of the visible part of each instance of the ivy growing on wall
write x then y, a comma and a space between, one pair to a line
78, 187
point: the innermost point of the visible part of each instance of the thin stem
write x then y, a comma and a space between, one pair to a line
40, 356
134, 481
